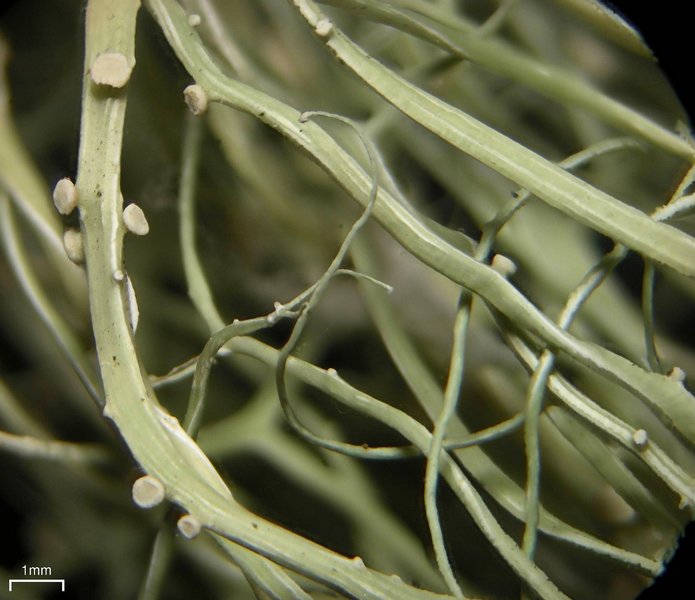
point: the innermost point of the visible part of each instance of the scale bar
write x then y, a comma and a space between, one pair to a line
60, 581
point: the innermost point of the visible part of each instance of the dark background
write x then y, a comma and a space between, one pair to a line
667, 28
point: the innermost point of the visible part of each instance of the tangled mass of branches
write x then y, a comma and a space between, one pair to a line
358, 298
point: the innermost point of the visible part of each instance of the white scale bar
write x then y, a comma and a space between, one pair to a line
60, 581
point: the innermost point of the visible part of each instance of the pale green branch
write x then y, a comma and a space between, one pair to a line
54, 322
155, 438
54, 450
198, 288
452, 393
669, 398
561, 190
